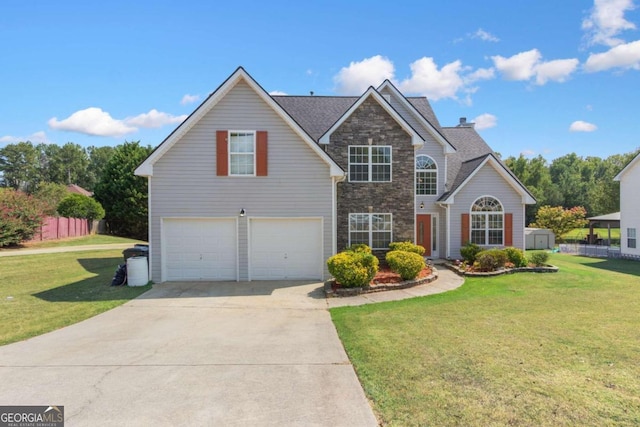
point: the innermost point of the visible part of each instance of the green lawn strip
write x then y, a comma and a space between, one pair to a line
94, 239
41, 293
523, 349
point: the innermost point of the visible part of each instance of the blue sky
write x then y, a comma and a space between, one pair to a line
537, 76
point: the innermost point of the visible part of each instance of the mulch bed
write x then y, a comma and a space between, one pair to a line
384, 280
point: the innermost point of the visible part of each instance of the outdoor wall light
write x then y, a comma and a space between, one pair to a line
421, 205
242, 212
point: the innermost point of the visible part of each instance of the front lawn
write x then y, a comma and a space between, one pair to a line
525, 349
93, 239
41, 293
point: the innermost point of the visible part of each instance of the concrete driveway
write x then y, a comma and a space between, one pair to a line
201, 354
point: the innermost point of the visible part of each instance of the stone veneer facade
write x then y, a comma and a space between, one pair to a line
370, 120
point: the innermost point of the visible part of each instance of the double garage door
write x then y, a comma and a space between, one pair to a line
211, 249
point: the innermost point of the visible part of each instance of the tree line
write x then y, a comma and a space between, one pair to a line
570, 181
33, 180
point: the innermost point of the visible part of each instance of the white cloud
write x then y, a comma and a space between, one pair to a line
36, 138
607, 21
580, 126
189, 99
485, 121
529, 64
277, 92
153, 119
480, 74
358, 76
435, 84
527, 153
484, 36
520, 66
622, 56
94, 121
557, 70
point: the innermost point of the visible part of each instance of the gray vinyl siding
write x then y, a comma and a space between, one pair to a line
184, 182
486, 182
435, 150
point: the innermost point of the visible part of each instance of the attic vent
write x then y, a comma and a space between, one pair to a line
387, 97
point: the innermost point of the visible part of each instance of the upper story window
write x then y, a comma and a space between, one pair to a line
369, 163
242, 149
487, 221
426, 176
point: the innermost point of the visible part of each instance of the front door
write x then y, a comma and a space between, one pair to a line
427, 234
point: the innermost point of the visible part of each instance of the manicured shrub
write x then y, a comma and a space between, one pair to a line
80, 206
469, 252
491, 259
20, 216
538, 258
359, 247
353, 269
407, 264
407, 247
516, 256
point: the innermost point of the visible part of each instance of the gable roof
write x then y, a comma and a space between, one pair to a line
422, 119
416, 139
73, 188
473, 154
629, 165
146, 168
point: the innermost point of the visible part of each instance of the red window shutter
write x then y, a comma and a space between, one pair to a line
465, 238
508, 229
261, 153
222, 153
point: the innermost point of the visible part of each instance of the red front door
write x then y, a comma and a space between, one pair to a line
423, 232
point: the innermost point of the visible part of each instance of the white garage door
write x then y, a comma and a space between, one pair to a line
285, 249
200, 249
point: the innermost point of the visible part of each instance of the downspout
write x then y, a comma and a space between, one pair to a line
149, 228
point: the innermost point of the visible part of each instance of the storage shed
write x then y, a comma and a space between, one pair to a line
539, 238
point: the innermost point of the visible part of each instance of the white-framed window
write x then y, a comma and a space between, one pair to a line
487, 222
426, 176
242, 153
372, 229
631, 238
369, 163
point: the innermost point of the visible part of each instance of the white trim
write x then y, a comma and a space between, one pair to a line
527, 199
163, 240
448, 230
370, 244
415, 172
149, 228
448, 148
255, 138
146, 168
416, 139
369, 163
486, 215
630, 165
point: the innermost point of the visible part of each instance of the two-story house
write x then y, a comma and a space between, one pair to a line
258, 187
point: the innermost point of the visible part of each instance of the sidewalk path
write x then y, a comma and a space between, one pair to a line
19, 252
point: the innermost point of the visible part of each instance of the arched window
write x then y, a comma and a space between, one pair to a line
487, 221
426, 176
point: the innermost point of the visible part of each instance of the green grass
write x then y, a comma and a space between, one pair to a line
581, 233
41, 293
94, 239
555, 349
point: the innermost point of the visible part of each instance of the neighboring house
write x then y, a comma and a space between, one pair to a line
629, 178
258, 187
76, 189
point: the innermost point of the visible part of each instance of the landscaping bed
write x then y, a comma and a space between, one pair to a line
534, 269
384, 280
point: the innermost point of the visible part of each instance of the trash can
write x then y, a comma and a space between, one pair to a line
137, 250
137, 271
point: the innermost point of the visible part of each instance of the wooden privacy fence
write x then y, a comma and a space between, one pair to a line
59, 228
